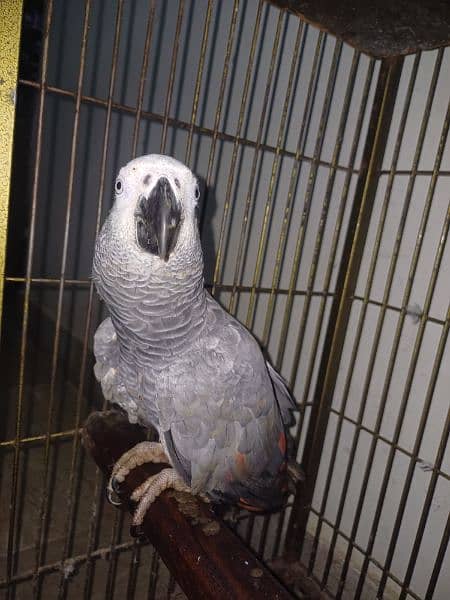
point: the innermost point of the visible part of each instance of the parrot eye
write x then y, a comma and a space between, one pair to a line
197, 192
119, 186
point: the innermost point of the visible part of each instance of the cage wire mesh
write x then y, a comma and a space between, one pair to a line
274, 116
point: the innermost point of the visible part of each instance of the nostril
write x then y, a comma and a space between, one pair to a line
147, 179
177, 182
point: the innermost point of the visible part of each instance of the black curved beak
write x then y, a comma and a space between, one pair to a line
158, 220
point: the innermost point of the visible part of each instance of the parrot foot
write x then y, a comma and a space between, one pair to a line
143, 452
147, 492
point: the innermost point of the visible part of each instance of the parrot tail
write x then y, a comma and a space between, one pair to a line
262, 495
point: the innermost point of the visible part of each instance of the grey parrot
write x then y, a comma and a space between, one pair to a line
174, 359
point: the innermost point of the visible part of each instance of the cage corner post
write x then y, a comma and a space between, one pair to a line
10, 26
371, 160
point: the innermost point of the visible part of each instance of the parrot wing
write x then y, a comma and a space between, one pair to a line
224, 432
286, 402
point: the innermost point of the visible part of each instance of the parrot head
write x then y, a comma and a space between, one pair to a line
155, 202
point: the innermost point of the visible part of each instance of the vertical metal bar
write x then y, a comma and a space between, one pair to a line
439, 560
340, 311
354, 354
262, 244
287, 211
134, 570
153, 576
421, 430
377, 337
70, 523
198, 81
10, 24
333, 249
334, 246
43, 511
143, 79
259, 135
112, 567
135, 553
173, 67
295, 174
223, 82
26, 301
413, 361
308, 200
310, 189
431, 488
228, 198
94, 524
295, 63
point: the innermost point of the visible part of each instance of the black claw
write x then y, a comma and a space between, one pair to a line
110, 493
115, 486
137, 531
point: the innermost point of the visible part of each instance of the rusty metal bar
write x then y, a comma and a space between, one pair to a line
43, 509
329, 271
228, 193
334, 247
173, 67
340, 312
387, 306
288, 208
76, 561
295, 65
223, 82
380, 321
74, 471
388, 285
268, 206
171, 121
221, 286
59, 435
258, 146
26, 302
353, 544
198, 81
208, 561
432, 485
439, 560
142, 78
294, 178
417, 345
360, 427
359, 328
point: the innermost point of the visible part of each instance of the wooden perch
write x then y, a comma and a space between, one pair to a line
206, 558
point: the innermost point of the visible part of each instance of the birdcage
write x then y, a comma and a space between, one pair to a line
320, 133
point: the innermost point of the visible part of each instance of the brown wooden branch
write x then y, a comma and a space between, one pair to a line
206, 558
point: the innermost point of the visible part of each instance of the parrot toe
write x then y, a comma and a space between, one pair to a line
112, 494
138, 455
137, 531
115, 485
147, 493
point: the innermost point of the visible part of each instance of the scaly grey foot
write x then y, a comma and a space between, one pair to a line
143, 452
152, 487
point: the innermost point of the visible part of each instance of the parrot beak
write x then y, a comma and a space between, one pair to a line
158, 220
